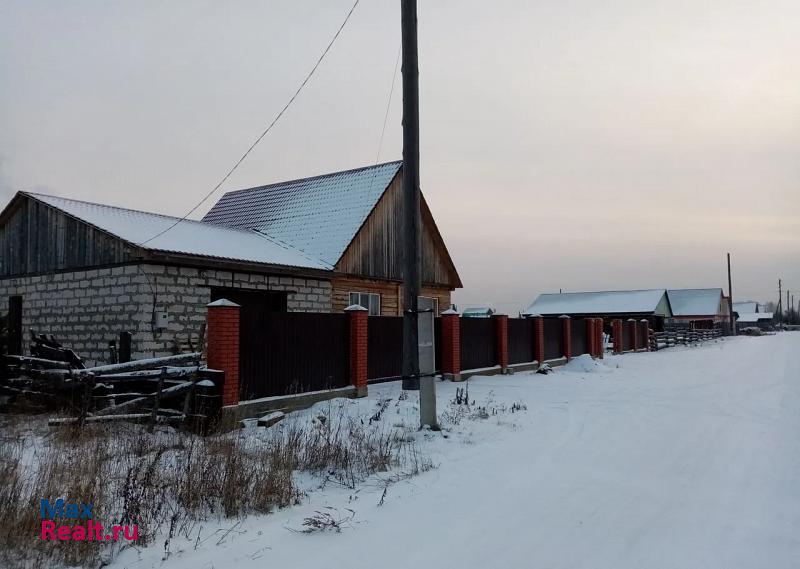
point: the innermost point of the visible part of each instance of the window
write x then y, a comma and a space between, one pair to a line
369, 300
428, 303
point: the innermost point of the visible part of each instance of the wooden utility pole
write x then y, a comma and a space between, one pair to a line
780, 302
412, 279
730, 298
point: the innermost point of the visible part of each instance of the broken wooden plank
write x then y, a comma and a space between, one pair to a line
145, 374
166, 393
40, 362
151, 363
132, 417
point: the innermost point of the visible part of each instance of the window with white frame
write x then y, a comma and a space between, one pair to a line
369, 300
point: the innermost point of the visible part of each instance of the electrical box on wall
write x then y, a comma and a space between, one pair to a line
161, 320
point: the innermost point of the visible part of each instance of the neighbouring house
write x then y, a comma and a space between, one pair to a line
761, 320
477, 312
746, 307
650, 304
85, 272
699, 307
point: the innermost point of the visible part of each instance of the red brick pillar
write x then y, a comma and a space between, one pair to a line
538, 339
358, 348
616, 334
591, 336
451, 345
644, 332
223, 346
501, 335
566, 336
634, 334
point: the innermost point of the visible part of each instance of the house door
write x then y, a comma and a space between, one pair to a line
15, 325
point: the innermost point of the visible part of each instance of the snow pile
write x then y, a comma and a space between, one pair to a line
586, 364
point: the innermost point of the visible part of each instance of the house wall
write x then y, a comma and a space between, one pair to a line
376, 251
86, 309
36, 238
391, 294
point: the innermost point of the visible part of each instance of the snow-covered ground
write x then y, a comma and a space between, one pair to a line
685, 458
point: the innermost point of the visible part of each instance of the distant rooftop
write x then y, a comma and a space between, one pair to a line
695, 301
601, 302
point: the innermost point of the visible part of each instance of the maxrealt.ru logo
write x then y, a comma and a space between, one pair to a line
78, 523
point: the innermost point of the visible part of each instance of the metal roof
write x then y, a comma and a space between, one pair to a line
746, 307
695, 301
318, 215
749, 317
187, 237
603, 302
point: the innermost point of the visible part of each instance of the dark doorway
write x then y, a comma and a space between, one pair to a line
15, 325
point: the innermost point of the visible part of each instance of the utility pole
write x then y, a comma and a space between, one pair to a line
412, 279
780, 302
730, 299
788, 306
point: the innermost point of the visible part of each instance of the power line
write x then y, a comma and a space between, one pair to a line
388, 105
263, 134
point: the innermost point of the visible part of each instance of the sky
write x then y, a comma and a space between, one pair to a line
572, 145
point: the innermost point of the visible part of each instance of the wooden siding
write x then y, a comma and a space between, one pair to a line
35, 238
391, 294
376, 250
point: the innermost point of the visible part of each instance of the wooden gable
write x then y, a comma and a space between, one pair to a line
37, 238
376, 251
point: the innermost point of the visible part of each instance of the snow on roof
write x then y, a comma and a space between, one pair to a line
748, 317
746, 307
318, 215
604, 302
188, 237
695, 301
478, 311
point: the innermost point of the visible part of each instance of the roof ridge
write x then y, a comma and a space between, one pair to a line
605, 291
317, 177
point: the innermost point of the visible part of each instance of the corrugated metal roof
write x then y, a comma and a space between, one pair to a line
188, 237
318, 215
695, 301
603, 302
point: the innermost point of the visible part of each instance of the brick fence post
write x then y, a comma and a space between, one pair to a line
644, 332
566, 336
538, 339
358, 348
451, 345
501, 340
591, 336
634, 334
223, 346
616, 334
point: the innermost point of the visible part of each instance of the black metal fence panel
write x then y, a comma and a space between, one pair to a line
520, 340
384, 347
552, 338
478, 343
578, 337
627, 335
284, 353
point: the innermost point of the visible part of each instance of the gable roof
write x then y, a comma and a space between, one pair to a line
187, 237
318, 215
602, 302
746, 307
750, 317
695, 301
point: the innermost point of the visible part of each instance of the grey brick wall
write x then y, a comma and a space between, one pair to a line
87, 309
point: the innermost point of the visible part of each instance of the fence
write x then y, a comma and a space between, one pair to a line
280, 354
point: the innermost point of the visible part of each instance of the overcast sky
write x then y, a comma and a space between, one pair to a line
576, 144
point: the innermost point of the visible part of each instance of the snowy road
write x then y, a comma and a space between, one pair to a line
686, 458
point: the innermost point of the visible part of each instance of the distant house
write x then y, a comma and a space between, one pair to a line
699, 307
86, 272
477, 312
746, 307
761, 320
652, 304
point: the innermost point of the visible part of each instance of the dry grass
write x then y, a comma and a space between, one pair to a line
168, 482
